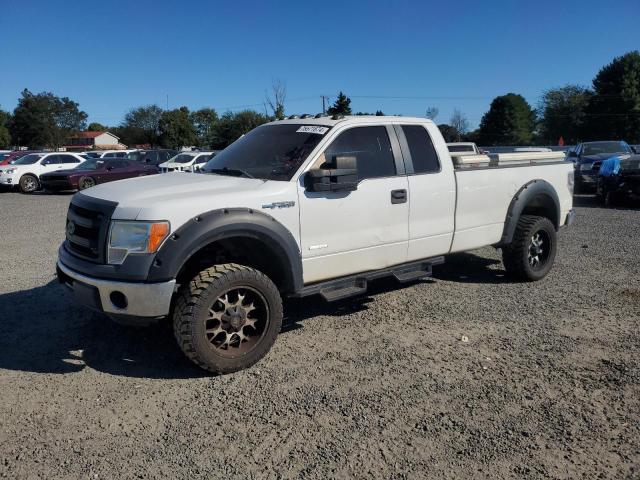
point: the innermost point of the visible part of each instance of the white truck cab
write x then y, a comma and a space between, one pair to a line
25, 172
300, 207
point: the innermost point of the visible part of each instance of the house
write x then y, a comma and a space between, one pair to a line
94, 141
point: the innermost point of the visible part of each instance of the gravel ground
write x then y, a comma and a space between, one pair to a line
546, 386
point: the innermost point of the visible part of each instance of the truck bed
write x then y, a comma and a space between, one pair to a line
486, 184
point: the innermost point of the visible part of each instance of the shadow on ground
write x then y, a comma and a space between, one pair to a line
42, 330
592, 201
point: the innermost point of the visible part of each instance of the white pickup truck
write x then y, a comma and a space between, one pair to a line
299, 207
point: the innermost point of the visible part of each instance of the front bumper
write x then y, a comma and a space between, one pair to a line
147, 300
57, 184
6, 179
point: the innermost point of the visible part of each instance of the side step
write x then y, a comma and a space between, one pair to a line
413, 272
349, 288
345, 287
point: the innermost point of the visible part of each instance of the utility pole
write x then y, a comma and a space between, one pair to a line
167, 101
324, 105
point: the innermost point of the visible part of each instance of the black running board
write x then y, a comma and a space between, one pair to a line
345, 287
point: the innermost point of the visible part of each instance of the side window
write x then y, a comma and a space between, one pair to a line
423, 153
116, 164
67, 159
202, 159
51, 160
371, 147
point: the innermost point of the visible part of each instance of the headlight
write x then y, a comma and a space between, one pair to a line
127, 237
585, 166
10, 170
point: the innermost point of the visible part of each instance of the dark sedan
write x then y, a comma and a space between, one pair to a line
93, 172
588, 158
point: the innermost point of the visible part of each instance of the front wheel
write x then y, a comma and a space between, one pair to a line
29, 184
531, 253
227, 317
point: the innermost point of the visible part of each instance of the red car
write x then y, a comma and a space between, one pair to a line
93, 172
16, 154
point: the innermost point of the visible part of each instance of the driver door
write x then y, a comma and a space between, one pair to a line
347, 232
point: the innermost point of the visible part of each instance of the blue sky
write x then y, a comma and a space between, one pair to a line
113, 55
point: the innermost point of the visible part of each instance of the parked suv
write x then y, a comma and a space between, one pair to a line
152, 157
26, 171
301, 207
186, 162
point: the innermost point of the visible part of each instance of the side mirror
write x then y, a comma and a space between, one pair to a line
634, 150
341, 176
572, 153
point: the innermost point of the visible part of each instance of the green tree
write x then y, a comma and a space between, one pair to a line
176, 129
509, 121
614, 110
204, 121
141, 125
450, 133
561, 113
45, 120
232, 126
342, 106
5, 136
97, 127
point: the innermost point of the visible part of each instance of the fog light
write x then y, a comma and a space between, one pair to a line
118, 299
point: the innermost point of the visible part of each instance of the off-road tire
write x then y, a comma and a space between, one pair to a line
192, 307
86, 182
26, 182
515, 256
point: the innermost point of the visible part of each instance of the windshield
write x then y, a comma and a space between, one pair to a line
92, 154
28, 159
270, 152
605, 147
91, 164
182, 158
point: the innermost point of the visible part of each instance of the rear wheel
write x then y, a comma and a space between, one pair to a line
227, 317
29, 184
532, 251
86, 182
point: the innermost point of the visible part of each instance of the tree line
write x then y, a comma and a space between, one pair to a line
609, 109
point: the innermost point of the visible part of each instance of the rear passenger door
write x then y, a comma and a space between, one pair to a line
432, 193
367, 229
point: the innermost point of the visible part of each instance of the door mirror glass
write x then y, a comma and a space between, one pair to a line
573, 153
339, 175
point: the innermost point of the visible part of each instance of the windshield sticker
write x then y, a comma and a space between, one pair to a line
313, 129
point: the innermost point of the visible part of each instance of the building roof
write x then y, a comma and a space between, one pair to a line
91, 134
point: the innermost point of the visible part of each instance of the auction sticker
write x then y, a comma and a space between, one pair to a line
313, 129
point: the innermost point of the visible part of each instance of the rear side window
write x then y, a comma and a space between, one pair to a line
67, 159
371, 147
423, 153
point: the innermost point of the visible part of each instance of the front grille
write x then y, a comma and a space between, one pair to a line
596, 166
88, 226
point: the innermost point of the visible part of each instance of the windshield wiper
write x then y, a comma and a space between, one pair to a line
236, 172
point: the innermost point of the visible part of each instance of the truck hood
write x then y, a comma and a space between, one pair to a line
179, 196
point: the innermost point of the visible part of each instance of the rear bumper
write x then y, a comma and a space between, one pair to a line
120, 299
570, 218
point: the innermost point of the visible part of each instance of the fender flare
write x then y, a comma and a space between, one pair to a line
216, 225
531, 194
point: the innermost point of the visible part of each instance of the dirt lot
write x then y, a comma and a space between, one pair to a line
546, 386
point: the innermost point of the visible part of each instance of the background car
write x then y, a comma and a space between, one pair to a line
93, 172
11, 156
152, 157
186, 162
588, 158
26, 171
116, 153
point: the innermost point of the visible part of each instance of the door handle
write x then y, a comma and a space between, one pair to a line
399, 196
